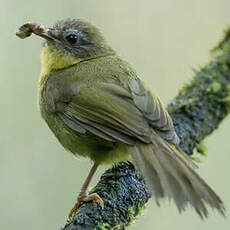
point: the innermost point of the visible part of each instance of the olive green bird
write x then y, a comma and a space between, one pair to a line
97, 107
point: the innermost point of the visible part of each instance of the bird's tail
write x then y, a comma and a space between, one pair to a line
170, 173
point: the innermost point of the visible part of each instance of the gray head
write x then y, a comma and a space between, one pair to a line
78, 38
70, 37
68, 42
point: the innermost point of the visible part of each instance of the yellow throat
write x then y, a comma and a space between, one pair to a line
51, 60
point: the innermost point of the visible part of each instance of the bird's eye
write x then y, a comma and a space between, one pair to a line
72, 38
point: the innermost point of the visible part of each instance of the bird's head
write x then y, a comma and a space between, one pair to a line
67, 42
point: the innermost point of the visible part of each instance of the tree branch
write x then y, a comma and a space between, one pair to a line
197, 111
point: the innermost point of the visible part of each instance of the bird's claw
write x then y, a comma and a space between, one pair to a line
86, 198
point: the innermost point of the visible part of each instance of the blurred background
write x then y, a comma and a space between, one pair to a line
163, 40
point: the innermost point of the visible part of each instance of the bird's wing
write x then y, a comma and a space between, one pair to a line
114, 112
153, 111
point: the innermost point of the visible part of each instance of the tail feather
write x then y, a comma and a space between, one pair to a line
147, 169
171, 174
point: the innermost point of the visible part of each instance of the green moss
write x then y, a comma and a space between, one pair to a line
228, 89
196, 159
202, 149
134, 214
223, 42
215, 87
226, 99
131, 212
104, 226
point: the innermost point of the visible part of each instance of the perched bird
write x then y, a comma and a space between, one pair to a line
97, 107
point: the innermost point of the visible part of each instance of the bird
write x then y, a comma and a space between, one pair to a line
97, 107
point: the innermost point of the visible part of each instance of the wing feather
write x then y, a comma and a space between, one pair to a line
115, 112
153, 110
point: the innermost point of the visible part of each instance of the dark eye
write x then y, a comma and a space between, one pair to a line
72, 38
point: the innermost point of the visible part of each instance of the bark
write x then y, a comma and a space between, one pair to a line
197, 111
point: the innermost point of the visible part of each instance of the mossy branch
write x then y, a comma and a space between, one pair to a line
197, 111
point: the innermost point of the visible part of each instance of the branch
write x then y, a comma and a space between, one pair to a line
197, 111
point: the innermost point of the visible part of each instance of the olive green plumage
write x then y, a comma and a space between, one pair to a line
97, 107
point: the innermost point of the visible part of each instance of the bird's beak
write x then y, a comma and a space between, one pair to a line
46, 34
38, 29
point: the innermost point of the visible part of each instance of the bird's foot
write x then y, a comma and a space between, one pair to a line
86, 198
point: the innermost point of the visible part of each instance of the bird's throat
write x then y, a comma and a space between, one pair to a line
52, 60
